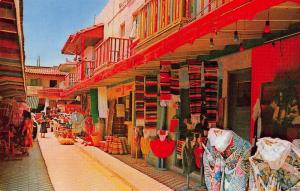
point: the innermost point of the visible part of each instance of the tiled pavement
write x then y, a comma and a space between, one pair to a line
71, 170
28, 174
169, 178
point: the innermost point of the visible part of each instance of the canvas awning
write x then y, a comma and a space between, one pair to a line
32, 102
12, 50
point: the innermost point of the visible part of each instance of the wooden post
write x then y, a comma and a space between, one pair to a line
82, 67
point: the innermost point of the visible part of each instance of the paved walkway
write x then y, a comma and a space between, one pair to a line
28, 174
71, 170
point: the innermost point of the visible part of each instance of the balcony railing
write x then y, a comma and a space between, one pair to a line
71, 79
89, 67
112, 50
158, 15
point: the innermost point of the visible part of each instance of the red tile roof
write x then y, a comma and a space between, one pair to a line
44, 70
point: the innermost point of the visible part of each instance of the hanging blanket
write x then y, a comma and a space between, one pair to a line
151, 104
211, 90
195, 86
165, 82
175, 82
139, 100
162, 149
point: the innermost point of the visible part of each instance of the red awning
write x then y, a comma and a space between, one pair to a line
91, 36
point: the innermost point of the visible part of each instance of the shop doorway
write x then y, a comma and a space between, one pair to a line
239, 102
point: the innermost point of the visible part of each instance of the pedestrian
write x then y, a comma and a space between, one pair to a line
43, 122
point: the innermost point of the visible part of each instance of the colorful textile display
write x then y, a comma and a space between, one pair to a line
275, 166
211, 90
198, 154
162, 149
165, 83
174, 124
179, 148
94, 105
195, 87
151, 104
119, 128
175, 82
145, 146
102, 102
139, 100
116, 145
225, 160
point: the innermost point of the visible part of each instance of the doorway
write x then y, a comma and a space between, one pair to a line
239, 102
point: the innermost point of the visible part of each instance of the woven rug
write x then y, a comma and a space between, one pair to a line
139, 100
211, 90
175, 91
165, 83
151, 104
195, 86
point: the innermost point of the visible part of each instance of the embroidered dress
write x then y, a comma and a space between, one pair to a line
225, 160
275, 166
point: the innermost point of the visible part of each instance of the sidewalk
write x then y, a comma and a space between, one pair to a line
28, 174
137, 179
71, 170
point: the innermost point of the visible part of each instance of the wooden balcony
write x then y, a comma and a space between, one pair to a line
158, 18
112, 50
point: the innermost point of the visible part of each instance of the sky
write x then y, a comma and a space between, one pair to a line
48, 24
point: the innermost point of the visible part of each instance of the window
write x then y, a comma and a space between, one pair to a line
122, 30
53, 83
35, 82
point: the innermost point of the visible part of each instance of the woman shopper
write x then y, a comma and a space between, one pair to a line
43, 129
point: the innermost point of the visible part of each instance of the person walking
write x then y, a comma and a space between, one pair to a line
43, 129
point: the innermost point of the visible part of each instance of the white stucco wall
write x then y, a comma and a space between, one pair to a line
112, 16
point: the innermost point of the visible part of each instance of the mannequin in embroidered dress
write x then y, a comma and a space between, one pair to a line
225, 161
275, 166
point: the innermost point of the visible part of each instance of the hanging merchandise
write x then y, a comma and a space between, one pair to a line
275, 166
175, 82
102, 102
225, 160
195, 89
145, 146
151, 104
165, 82
162, 147
139, 100
211, 90
94, 105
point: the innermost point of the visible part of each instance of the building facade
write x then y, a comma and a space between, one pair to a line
163, 64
